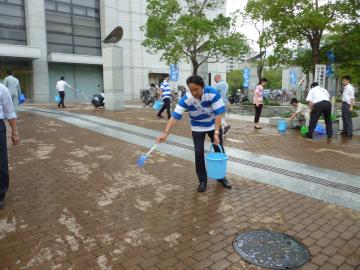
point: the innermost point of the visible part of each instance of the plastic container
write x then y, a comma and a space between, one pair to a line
22, 98
216, 164
57, 98
282, 125
304, 130
320, 129
157, 105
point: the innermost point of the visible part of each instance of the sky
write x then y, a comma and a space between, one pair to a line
247, 30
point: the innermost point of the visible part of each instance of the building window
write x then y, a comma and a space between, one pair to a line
12, 22
73, 26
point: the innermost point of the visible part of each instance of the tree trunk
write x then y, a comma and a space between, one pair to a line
195, 65
306, 90
259, 70
315, 54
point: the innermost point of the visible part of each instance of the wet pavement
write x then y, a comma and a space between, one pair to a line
77, 201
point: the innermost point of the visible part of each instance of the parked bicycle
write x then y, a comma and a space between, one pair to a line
148, 96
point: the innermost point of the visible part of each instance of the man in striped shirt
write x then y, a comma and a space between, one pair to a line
166, 97
205, 108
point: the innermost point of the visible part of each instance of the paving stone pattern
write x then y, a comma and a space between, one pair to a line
77, 201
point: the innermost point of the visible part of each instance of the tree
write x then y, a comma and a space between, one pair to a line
294, 22
275, 78
187, 34
345, 44
235, 80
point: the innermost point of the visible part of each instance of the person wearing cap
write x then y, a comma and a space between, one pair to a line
6, 113
319, 103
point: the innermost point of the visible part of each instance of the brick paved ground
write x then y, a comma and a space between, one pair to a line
77, 200
340, 153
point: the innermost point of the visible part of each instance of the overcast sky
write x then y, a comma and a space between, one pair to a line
233, 5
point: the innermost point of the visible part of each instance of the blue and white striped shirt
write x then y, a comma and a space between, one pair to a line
202, 112
166, 90
223, 89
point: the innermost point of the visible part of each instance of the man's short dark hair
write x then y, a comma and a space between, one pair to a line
294, 100
62, 78
195, 79
314, 84
263, 80
9, 72
347, 77
166, 76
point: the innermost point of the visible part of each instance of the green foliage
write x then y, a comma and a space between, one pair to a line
271, 103
186, 34
235, 80
345, 42
354, 114
275, 78
286, 114
299, 23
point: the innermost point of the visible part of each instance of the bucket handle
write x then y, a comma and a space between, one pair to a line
212, 148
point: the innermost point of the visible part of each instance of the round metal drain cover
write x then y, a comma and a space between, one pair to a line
271, 249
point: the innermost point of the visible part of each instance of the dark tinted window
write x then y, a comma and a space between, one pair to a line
73, 26
12, 22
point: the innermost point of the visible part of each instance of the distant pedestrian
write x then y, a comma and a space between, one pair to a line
319, 103
223, 88
166, 97
6, 113
205, 108
348, 101
60, 87
259, 101
13, 85
301, 114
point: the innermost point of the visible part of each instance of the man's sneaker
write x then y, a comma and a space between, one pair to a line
226, 129
202, 187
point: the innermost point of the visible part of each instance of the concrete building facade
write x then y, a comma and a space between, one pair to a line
42, 40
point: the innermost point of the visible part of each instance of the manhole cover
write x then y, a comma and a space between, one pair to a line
271, 249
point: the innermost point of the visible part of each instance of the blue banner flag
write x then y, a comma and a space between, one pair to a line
293, 78
174, 72
246, 77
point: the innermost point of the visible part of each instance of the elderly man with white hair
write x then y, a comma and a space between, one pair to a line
223, 88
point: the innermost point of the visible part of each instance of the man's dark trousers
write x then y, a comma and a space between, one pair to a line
199, 140
346, 117
166, 106
321, 108
62, 98
4, 169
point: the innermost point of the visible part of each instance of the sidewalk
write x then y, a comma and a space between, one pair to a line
340, 153
77, 200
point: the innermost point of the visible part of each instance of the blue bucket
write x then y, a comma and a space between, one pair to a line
157, 105
282, 125
57, 98
320, 129
216, 163
22, 98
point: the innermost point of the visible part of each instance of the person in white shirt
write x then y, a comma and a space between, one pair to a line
13, 85
60, 87
348, 100
319, 103
223, 88
301, 113
6, 113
